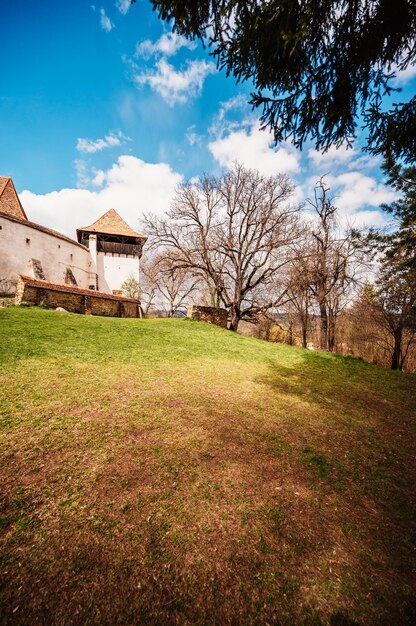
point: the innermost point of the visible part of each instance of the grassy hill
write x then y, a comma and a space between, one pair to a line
172, 472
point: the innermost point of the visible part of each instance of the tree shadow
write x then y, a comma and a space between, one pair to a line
345, 384
353, 426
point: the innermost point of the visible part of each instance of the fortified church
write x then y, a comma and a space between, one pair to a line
106, 253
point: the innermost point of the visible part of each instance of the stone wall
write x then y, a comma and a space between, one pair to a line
75, 300
209, 314
6, 302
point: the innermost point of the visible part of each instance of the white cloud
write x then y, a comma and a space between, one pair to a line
367, 219
333, 156
364, 162
105, 21
130, 186
354, 193
253, 148
168, 45
96, 145
220, 124
83, 176
336, 159
404, 76
176, 86
236, 102
192, 137
358, 190
99, 178
123, 6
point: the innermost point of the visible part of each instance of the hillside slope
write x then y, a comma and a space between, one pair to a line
172, 472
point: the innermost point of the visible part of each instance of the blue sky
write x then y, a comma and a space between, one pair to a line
101, 106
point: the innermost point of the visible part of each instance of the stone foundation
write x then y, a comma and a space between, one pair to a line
6, 302
209, 314
43, 293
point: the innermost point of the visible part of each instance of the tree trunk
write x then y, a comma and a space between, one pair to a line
397, 350
214, 297
324, 328
235, 317
331, 333
290, 334
304, 335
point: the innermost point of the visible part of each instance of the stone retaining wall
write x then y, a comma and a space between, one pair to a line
209, 314
6, 302
75, 300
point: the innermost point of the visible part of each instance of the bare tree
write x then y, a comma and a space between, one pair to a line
299, 284
393, 304
335, 259
148, 285
235, 231
300, 302
175, 284
166, 285
386, 337
131, 287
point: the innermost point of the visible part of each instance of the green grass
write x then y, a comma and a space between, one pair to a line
172, 472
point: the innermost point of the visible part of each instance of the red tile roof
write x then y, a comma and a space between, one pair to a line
45, 284
9, 200
111, 224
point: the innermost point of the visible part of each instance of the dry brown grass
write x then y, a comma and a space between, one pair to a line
169, 472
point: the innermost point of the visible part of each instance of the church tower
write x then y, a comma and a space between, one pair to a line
115, 248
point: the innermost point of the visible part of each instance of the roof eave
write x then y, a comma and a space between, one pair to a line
99, 232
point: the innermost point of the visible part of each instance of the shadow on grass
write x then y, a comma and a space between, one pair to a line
356, 438
348, 385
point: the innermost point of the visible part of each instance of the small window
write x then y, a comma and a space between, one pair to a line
28, 242
1, 227
71, 257
59, 245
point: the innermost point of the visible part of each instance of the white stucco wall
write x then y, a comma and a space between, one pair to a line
113, 270
19, 243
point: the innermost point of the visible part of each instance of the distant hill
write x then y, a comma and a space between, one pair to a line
173, 472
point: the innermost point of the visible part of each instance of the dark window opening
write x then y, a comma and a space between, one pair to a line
112, 244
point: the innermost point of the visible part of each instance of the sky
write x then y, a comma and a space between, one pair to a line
102, 106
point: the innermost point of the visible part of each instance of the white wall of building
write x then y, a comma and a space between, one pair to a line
113, 270
20, 243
